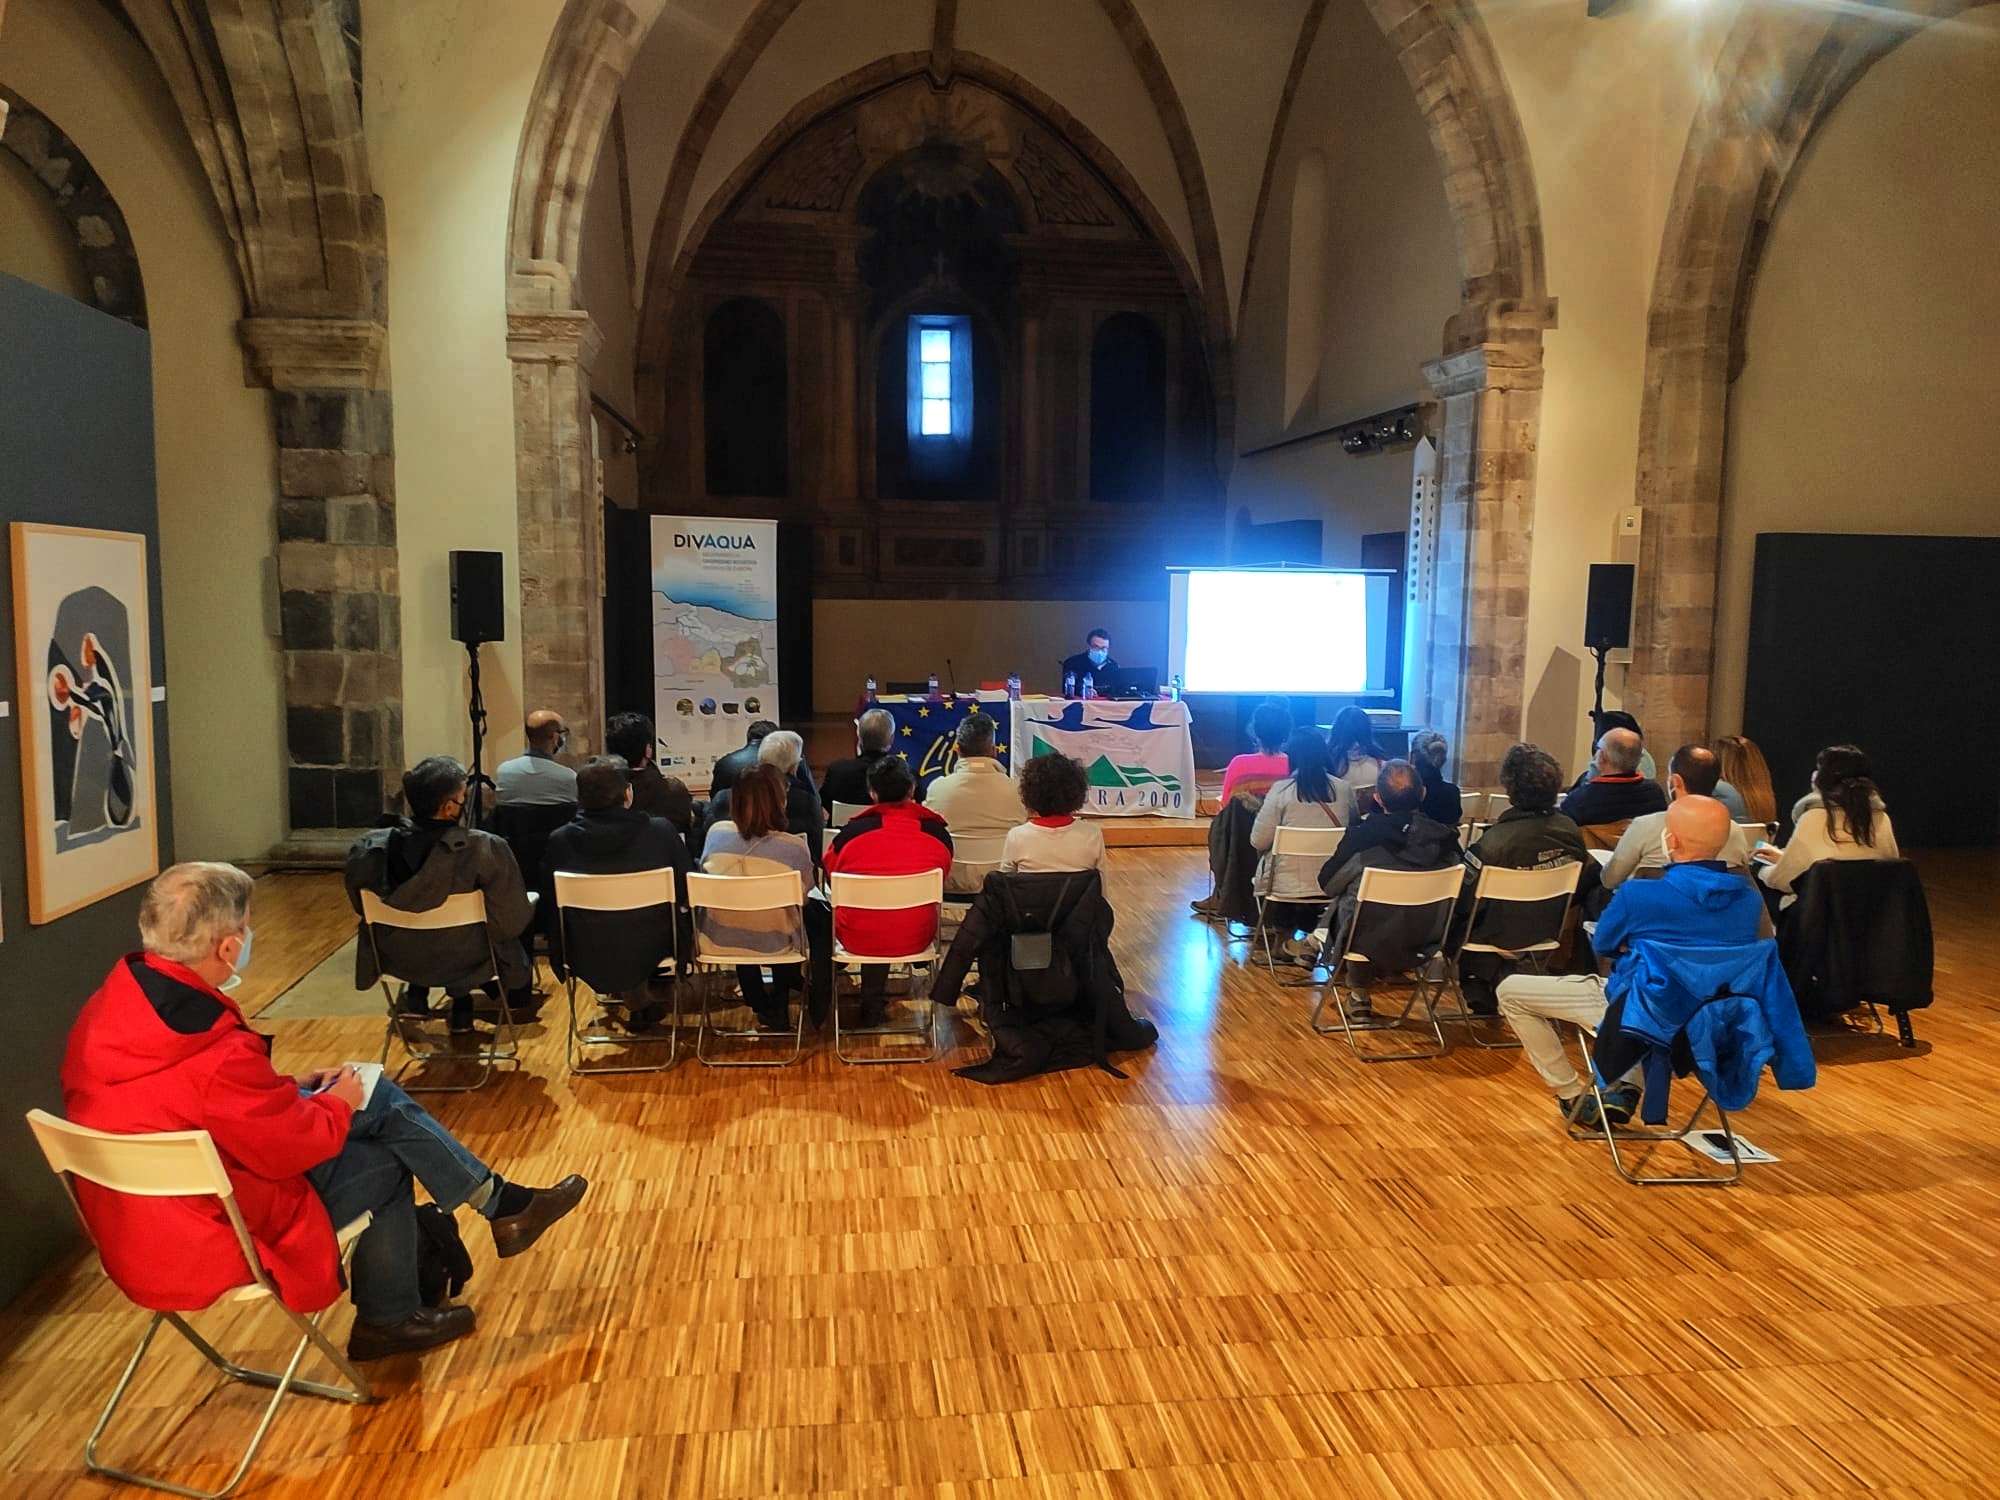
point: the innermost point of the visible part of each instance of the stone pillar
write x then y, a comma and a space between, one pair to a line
339, 596
1490, 395
561, 521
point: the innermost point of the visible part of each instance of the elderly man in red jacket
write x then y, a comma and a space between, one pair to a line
160, 1047
895, 836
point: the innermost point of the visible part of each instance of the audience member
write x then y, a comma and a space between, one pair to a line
1616, 792
610, 836
1529, 835
894, 836
977, 800
160, 1047
1095, 659
1744, 768
1053, 790
413, 864
1356, 759
1697, 903
1255, 773
1616, 718
752, 840
847, 780
538, 779
1692, 771
803, 814
1310, 796
739, 760
631, 738
1428, 751
1395, 836
1849, 822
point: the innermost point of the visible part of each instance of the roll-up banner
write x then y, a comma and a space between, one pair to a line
715, 637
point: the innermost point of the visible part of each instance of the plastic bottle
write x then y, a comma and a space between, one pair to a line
1014, 687
871, 690
1089, 684
1069, 684
932, 689
1177, 687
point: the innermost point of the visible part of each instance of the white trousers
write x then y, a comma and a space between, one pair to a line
1530, 1002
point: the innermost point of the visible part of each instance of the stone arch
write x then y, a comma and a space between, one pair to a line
1780, 74
103, 242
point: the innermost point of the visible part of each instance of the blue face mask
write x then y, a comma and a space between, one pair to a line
1097, 657
243, 953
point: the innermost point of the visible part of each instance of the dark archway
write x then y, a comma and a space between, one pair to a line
1128, 409
747, 430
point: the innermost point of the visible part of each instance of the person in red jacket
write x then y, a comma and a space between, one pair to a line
160, 1047
896, 836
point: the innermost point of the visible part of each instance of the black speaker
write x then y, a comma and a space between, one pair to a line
478, 612
1607, 617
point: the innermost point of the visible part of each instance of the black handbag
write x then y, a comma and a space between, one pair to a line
444, 1265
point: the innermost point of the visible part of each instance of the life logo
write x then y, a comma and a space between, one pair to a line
686, 541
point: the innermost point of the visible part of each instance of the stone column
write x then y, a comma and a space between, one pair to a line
561, 521
339, 596
1490, 395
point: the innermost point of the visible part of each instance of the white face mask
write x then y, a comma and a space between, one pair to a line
243, 953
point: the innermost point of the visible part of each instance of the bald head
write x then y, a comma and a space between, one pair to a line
545, 731
1697, 828
1618, 752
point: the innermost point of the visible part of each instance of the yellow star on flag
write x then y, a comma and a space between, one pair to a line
1001, 746
908, 730
923, 713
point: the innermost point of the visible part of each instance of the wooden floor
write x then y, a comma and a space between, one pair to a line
1256, 1267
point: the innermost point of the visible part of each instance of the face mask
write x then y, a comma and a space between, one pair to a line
1097, 658
562, 742
243, 953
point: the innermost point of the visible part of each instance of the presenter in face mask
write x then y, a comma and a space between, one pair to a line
1095, 659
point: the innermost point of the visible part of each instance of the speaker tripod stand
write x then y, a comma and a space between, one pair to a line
475, 802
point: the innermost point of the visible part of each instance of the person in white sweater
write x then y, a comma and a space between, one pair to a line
1310, 797
1053, 789
1850, 822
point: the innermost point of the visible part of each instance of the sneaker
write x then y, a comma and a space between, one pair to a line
1580, 1111
1620, 1104
1303, 951
1208, 906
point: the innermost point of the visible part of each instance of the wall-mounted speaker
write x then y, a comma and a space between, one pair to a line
1607, 615
478, 610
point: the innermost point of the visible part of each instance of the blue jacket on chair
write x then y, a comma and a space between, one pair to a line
1723, 1013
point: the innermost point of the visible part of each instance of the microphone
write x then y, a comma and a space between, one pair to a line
951, 676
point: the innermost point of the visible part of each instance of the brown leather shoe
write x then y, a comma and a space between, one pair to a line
424, 1329
517, 1232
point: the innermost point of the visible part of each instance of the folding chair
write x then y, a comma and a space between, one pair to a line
842, 811
744, 893
1313, 843
1385, 890
1526, 888
888, 893
1652, 1136
467, 909
185, 1164
634, 892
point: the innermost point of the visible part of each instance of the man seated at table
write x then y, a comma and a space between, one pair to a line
160, 1047
978, 799
1693, 771
631, 738
537, 779
847, 780
1698, 902
895, 836
1094, 660
1616, 793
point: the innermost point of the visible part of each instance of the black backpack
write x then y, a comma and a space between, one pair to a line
444, 1265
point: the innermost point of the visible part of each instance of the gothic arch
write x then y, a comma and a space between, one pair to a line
103, 242
1780, 74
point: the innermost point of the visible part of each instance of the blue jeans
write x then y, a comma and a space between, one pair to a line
389, 1144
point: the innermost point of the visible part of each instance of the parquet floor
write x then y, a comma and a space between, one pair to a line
1255, 1268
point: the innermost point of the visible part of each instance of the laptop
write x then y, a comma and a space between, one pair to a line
1128, 682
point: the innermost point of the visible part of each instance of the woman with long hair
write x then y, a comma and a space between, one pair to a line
1850, 822
1355, 758
1744, 767
753, 841
1310, 797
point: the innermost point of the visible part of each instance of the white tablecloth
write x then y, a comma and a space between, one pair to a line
1140, 756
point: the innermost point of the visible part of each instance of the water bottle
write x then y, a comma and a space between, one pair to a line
871, 690
1013, 687
1089, 685
932, 690
1069, 684
1177, 687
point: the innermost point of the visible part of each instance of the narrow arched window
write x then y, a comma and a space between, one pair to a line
1305, 301
1128, 410
744, 400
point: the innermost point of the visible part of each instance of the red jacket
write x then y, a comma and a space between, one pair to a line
892, 838
157, 1048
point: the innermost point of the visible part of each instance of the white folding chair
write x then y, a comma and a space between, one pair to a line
467, 909
1651, 1137
1305, 843
638, 891
744, 893
843, 811
1498, 887
888, 893
1497, 803
1382, 890
185, 1164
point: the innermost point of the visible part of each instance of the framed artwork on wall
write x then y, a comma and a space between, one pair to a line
85, 699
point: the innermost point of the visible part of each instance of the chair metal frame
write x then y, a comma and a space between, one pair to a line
1528, 887
465, 909
1406, 888
1305, 843
1652, 1136
185, 1163
634, 891
888, 893
745, 893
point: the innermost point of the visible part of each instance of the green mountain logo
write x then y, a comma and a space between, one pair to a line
1103, 774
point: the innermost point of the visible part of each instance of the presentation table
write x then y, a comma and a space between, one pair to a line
1139, 755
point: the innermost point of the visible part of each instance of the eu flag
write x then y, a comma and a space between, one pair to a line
927, 730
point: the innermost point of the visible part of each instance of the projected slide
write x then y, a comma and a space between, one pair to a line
1268, 631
